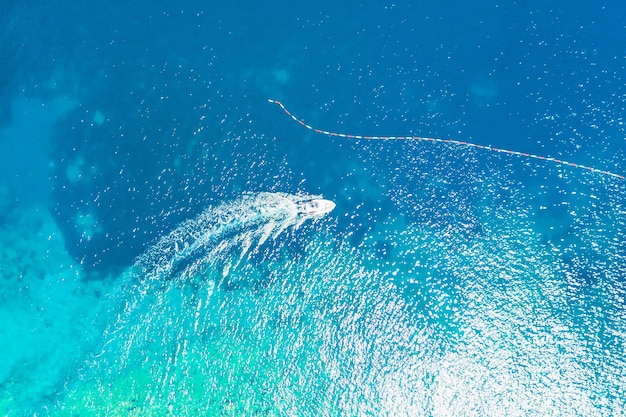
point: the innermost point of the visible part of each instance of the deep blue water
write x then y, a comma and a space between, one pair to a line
448, 281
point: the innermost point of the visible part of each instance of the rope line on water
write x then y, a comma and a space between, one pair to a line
452, 141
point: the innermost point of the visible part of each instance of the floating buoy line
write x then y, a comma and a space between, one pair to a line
452, 141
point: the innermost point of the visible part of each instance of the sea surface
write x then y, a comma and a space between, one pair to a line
152, 262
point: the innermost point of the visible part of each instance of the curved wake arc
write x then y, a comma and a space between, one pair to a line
245, 223
452, 141
168, 327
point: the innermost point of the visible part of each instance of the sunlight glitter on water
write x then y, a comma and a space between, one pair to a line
415, 320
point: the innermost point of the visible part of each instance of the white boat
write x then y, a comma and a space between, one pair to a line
316, 207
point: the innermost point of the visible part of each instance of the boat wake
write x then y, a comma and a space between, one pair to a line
166, 310
245, 223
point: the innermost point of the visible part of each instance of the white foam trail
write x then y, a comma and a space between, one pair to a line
247, 222
219, 234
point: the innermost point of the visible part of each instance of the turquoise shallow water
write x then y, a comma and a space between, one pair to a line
152, 262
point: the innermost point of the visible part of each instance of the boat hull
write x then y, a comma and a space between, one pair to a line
315, 208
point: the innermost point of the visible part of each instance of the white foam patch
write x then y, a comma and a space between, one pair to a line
218, 230
156, 289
